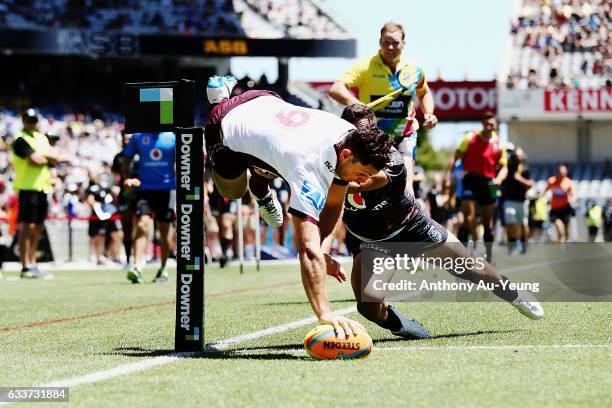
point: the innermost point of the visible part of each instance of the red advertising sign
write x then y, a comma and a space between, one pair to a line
460, 101
578, 100
464, 100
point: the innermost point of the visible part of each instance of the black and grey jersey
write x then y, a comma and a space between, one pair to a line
379, 214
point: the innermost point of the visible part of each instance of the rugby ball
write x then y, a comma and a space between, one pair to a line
321, 343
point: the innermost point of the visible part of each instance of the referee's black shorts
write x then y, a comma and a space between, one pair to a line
33, 207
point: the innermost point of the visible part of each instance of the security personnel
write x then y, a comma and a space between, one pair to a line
32, 156
594, 217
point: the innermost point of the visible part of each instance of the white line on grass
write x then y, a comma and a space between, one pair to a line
224, 344
298, 351
172, 357
495, 347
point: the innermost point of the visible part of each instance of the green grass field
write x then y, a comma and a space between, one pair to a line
482, 354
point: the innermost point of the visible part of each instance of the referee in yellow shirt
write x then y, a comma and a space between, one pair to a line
32, 155
375, 77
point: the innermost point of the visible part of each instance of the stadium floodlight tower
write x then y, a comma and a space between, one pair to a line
169, 107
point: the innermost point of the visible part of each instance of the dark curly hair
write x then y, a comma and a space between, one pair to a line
369, 145
359, 115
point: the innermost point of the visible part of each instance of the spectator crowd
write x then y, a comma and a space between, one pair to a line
131, 16
562, 43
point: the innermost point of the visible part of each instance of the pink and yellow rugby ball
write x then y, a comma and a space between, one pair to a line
321, 343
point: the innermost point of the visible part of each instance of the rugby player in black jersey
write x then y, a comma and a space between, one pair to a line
382, 210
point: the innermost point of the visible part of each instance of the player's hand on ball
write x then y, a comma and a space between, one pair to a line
430, 120
334, 269
343, 326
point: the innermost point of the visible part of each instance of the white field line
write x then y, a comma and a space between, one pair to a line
172, 357
298, 351
224, 344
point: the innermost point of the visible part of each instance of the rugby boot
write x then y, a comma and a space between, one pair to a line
528, 306
134, 275
270, 210
219, 88
162, 276
411, 329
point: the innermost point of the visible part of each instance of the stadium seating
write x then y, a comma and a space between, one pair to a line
253, 18
564, 43
142, 16
589, 178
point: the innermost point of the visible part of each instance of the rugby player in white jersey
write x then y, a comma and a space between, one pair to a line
381, 210
315, 152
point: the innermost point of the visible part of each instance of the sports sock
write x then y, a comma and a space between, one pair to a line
392, 322
463, 235
225, 244
508, 295
488, 241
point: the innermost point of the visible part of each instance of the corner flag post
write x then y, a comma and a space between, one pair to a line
169, 107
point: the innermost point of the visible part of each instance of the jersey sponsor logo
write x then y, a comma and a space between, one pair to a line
146, 140
292, 119
155, 154
356, 200
313, 195
329, 166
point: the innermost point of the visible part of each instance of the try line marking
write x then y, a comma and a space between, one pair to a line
172, 357
298, 351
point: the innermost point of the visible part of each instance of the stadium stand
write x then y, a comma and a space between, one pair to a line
252, 18
561, 44
130, 16
590, 179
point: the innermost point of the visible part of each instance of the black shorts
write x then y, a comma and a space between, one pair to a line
220, 205
536, 224
476, 187
593, 230
421, 229
33, 206
562, 214
155, 202
96, 227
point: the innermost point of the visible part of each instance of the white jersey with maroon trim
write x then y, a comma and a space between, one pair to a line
297, 142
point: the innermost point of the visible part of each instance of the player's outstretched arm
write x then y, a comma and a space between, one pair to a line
332, 211
313, 270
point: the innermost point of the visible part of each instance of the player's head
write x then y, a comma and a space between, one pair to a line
359, 115
391, 41
363, 152
489, 122
562, 171
30, 119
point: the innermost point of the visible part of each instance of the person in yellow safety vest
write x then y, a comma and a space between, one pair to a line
594, 220
32, 155
538, 214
